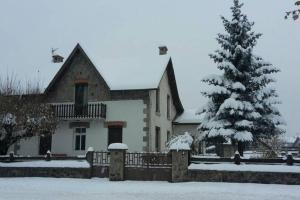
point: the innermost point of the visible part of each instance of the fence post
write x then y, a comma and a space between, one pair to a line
180, 163
117, 161
90, 159
237, 158
90, 156
48, 155
289, 159
11, 156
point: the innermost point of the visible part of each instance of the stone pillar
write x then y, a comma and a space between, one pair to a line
48, 156
89, 156
117, 161
180, 163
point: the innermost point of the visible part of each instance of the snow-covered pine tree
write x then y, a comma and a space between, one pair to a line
271, 122
240, 106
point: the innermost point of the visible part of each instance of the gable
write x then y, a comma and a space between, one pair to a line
173, 87
77, 68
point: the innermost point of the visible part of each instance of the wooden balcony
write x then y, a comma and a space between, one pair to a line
73, 111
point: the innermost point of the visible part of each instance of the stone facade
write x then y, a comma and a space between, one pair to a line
79, 69
100, 171
44, 172
180, 165
148, 174
117, 165
244, 177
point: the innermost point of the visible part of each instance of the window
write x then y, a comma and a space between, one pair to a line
80, 139
157, 139
168, 136
157, 100
168, 107
81, 98
115, 134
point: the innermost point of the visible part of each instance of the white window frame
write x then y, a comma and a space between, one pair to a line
81, 133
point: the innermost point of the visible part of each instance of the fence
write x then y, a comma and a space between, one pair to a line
101, 158
289, 160
148, 160
135, 159
71, 110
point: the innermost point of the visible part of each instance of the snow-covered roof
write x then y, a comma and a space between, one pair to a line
289, 139
189, 116
129, 72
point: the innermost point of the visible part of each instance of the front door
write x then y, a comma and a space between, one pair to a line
45, 144
115, 135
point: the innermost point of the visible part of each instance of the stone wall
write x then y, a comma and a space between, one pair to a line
148, 174
45, 172
100, 171
244, 177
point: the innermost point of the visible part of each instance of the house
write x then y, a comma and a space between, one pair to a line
189, 121
109, 101
291, 144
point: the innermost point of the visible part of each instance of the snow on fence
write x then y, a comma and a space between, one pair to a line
289, 160
148, 160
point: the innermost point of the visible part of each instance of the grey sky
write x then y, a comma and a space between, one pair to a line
115, 29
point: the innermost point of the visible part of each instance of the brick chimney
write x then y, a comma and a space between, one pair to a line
163, 50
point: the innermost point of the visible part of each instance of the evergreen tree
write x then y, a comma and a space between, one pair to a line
241, 105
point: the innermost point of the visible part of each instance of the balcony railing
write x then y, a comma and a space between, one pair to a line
71, 110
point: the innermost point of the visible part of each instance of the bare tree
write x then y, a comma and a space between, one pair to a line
23, 112
270, 147
293, 13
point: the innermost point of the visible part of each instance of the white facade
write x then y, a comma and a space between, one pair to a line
160, 119
26, 147
129, 111
63, 141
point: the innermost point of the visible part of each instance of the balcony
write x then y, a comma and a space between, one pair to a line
72, 111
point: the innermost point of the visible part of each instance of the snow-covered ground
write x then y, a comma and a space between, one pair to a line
52, 163
246, 167
91, 189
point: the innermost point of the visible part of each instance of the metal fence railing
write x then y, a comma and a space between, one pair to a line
148, 160
246, 161
101, 158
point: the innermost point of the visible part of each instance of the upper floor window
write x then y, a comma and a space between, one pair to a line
168, 136
157, 100
81, 98
168, 107
157, 139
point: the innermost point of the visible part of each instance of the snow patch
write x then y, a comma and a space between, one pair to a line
117, 146
244, 167
50, 164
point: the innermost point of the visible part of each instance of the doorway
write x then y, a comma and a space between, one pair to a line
115, 134
45, 144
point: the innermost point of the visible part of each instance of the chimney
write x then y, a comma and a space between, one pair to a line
163, 50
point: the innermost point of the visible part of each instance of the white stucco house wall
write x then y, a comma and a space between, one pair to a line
100, 101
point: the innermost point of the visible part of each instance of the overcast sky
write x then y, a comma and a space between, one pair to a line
29, 29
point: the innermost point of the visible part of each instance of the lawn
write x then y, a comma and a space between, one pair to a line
91, 189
